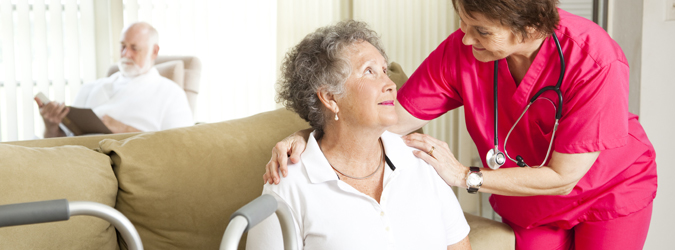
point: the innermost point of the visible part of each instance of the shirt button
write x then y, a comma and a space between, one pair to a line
387, 229
381, 213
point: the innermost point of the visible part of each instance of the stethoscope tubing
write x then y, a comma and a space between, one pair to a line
556, 88
558, 114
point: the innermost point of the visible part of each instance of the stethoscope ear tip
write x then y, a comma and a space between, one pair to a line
520, 162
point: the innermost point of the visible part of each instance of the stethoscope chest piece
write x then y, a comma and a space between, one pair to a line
495, 158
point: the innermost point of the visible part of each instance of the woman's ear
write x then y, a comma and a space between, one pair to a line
328, 100
533, 33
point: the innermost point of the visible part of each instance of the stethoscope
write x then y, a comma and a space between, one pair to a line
494, 157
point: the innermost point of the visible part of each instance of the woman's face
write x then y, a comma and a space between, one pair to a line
369, 96
489, 40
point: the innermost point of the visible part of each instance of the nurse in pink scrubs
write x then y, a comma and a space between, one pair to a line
595, 187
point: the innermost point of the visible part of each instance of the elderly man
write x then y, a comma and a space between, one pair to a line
134, 99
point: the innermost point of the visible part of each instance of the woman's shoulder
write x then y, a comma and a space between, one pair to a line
400, 154
296, 179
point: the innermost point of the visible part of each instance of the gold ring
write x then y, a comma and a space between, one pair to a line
431, 152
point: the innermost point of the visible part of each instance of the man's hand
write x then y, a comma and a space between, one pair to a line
116, 126
52, 113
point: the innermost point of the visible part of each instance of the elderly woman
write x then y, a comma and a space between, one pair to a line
356, 186
545, 95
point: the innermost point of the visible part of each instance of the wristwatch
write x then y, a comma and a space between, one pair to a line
474, 179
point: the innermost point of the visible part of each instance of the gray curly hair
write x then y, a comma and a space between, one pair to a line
319, 62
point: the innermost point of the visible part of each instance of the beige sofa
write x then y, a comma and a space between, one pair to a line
178, 187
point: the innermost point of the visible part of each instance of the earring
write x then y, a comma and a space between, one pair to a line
336, 117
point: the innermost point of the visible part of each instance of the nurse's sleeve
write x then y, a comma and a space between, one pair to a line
429, 93
595, 111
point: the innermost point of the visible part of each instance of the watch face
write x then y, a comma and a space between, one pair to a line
473, 180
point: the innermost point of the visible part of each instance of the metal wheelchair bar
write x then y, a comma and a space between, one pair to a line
62, 210
255, 212
117, 219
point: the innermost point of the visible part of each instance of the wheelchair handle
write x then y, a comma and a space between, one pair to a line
60, 210
34, 212
255, 212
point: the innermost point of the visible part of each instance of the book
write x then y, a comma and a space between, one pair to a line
84, 121
80, 121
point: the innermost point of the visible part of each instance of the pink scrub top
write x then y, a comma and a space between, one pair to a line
595, 117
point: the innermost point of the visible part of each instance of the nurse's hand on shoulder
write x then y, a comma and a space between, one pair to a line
441, 158
292, 146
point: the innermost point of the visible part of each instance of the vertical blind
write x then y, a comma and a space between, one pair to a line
582, 8
297, 18
47, 46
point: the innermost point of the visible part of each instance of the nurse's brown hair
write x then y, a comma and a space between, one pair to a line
542, 15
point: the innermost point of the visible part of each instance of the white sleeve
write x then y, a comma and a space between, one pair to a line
177, 113
82, 96
267, 234
456, 227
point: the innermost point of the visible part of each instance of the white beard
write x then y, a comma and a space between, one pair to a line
134, 70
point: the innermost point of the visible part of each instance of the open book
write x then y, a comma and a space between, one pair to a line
80, 121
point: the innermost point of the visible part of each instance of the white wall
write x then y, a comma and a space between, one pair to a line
625, 27
647, 40
657, 85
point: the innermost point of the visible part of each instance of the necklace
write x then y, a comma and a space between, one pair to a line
353, 177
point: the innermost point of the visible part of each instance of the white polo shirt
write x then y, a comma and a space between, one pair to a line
417, 209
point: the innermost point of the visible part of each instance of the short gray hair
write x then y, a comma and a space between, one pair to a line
319, 62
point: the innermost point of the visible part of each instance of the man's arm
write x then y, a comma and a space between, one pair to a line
116, 126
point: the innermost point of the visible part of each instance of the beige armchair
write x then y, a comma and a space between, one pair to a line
183, 70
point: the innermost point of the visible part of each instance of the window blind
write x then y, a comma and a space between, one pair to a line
46, 46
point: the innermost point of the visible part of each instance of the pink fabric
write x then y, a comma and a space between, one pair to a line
628, 232
595, 118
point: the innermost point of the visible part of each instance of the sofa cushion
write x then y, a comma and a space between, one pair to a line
489, 234
180, 186
71, 172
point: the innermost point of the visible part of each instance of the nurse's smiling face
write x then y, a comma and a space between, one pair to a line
489, 39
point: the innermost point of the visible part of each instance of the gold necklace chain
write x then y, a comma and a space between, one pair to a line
352, 177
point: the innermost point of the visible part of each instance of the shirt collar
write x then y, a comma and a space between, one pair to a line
398, 152
316, 165
319, 170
